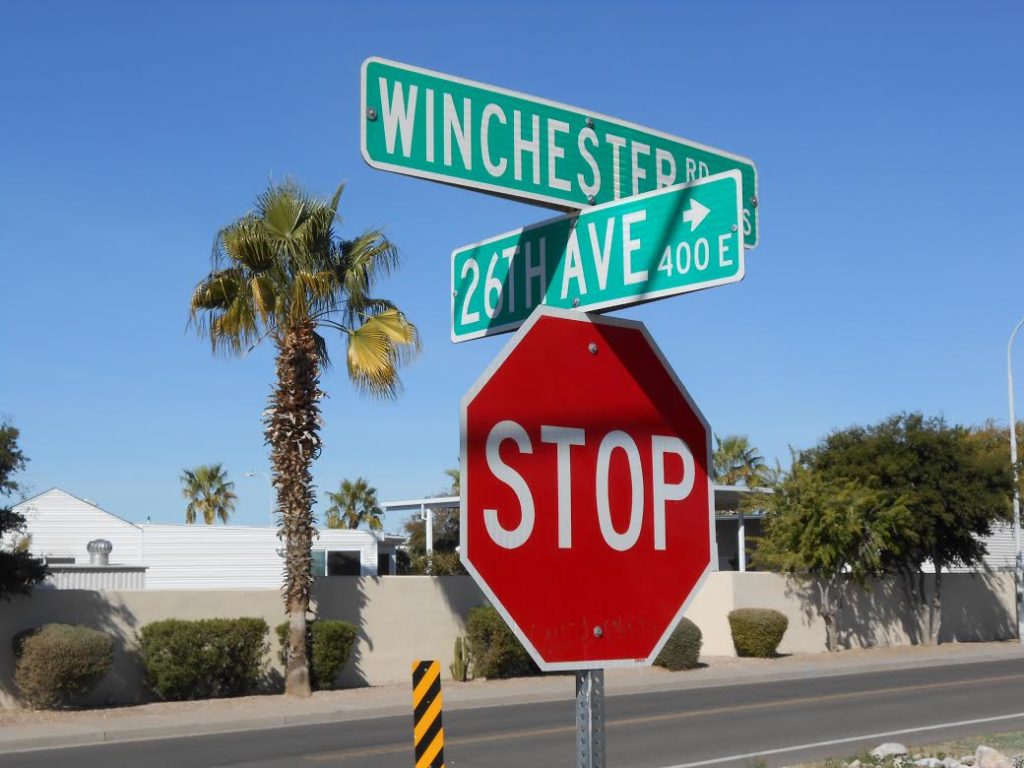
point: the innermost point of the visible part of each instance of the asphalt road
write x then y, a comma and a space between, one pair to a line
786, 722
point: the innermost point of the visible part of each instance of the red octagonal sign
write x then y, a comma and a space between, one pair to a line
587, 508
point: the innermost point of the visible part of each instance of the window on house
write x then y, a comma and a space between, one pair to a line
343, 564
319, 563
383, 564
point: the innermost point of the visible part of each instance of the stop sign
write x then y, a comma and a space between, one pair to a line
587, 511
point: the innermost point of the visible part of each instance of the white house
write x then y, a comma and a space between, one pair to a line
154, 556
157, 556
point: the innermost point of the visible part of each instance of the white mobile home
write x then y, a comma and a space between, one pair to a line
182, 556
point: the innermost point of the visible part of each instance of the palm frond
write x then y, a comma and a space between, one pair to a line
281, 209
335, 200
364, 259
321, 351
263, 295
314, 239
217, 290
245, 243
403, 335
371, 365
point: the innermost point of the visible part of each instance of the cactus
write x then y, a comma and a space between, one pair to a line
460, 667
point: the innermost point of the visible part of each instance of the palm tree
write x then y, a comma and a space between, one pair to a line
209, 493
454, 481
737, 462
354, 503
281, 272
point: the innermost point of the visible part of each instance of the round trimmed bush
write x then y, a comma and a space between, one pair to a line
60, 662
757, 631
328, 646
495, 651
203, 659
683, 647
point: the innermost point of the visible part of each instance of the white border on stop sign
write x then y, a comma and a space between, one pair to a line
500, 358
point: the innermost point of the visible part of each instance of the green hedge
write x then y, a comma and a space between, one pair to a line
683, 647
205, 659
757, 631
328, 646
58, 663
495, 651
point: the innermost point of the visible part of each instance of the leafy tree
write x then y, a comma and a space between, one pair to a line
833, 530
993, 442
952, 484
444, 561
209, 493
282, 272
737, 462
353, 504
437, 564
446, 532
19, 571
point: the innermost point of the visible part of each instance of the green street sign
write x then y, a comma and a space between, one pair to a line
435, 126
675, 240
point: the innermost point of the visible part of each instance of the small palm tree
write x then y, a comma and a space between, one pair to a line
281, 272
209, 494
454, 481
353, 504
737, 462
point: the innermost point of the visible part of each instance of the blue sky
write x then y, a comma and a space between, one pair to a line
887, 279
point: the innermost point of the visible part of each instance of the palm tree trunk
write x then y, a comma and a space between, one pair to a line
935, 607
292, 431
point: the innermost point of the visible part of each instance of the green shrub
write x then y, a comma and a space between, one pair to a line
328, 646
495, 651
209, 658
60, 662
437, 564
683, 647
757, 631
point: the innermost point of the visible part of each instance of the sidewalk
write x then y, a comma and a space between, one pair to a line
22, 729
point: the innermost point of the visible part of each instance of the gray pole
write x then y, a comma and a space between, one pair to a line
428, 518
590, 718
1019, 566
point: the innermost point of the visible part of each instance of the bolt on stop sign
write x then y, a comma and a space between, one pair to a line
587, 511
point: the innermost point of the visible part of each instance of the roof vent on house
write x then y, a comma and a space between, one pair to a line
99, 551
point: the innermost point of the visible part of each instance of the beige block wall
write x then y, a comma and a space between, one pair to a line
708, 611
121, 614
404, 618
400, 619
975, 607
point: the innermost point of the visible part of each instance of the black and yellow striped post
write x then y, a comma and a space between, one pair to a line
427, 733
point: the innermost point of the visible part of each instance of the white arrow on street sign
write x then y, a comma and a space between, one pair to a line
695, 214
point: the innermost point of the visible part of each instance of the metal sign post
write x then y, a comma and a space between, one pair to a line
590, 718
652, 215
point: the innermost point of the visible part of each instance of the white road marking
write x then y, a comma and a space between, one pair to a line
813, 745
